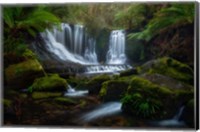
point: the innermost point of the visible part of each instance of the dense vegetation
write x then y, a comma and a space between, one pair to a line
159, 45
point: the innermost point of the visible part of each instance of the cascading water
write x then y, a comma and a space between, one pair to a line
71, 92
106, 109
116, 52
71, 45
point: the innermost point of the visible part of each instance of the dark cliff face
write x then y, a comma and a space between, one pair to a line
176, 42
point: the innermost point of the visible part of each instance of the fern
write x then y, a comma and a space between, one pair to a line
175, 15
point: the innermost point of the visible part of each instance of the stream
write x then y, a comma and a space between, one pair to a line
111, 109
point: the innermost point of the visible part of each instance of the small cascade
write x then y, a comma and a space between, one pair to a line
70, 44
174, 122
103, 110
71, 92
116, 52
106, 68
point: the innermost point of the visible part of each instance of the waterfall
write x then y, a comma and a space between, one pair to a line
71, 44
116, 52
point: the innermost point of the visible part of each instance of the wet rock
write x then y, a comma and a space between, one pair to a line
95, 84
128, 72
168, 67
49, 83
113, 90
145, 99
22, 75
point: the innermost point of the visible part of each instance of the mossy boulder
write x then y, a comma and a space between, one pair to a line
65, 101
129, 72
49, 83
168, 67
23, 74
113, 90
167, 81
95, 84
45, 95
146, 99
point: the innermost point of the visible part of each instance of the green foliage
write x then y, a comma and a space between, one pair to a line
174, 15
141, 106
22, 23
131, 16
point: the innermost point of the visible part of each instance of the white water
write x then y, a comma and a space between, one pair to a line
71, 92
172, 122
71, 45
116, 52
103, 110
106, 68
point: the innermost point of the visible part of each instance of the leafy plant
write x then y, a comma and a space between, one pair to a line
141, 106
170, 16
23, 23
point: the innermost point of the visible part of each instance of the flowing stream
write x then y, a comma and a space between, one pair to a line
103, 110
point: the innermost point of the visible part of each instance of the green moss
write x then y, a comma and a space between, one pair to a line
169, 67
49, 83
7, 103
16, 70
143, 85
99, 79
95, 84
113, 90
65, 100
103, 90
28, 54
23, 74
43, 95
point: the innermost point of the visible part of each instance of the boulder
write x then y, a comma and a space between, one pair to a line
168, 67
22, 75
146, 99
49, 83
95, 84
113, 90
128, 72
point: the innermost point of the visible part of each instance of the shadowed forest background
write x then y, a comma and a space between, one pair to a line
99, 65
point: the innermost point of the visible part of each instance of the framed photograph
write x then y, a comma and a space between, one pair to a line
127, 65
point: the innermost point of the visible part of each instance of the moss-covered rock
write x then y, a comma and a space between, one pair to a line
168, 67
49, 83
113, 90
166, 81
23, 74
44, 95
153, 100
65, 101
95, 84
128, 72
